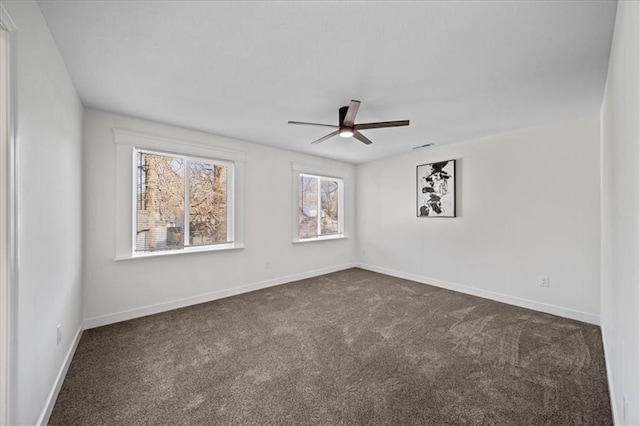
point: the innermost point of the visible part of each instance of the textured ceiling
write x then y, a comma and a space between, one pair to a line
457, 70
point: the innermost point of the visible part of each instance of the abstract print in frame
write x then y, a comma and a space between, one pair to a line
437, 189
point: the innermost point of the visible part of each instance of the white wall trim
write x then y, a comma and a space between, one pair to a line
138, 139
206, 297
499, 297
50, 402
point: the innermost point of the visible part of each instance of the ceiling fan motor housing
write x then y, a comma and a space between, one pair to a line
342, 113
344, 131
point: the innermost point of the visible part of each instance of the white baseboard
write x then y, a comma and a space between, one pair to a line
612, 396
101, 320
499, 297
43, 419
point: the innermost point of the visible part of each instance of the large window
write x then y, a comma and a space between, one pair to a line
320, 207
181, 202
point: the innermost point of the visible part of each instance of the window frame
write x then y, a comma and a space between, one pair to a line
186, 159
319, 172
129, 142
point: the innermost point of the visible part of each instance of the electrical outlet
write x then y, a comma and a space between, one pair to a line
543, 280
59, 334
267, 265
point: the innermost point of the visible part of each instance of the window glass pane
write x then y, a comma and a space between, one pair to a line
329, 196
207, 203
308, 216
160, 202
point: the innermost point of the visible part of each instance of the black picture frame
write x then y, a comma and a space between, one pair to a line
436, 189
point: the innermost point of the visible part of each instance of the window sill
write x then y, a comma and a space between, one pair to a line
179, 252
324, 238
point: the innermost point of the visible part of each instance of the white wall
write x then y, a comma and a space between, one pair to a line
621, 215
116, 290
528, 205
49, 132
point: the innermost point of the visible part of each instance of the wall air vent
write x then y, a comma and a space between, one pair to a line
422, 146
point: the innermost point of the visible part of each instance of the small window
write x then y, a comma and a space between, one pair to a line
320, 207
181, 202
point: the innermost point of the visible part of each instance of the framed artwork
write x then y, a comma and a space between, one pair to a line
436, 188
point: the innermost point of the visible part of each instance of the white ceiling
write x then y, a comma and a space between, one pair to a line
457, 69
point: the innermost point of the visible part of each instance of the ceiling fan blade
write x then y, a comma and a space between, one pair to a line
381, 124
362, 138
324, 138
313, 124
351, 113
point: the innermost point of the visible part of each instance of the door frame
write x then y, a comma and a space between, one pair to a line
8, 216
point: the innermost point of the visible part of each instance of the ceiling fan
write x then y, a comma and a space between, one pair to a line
346, 127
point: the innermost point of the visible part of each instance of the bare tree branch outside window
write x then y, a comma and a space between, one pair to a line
161, 204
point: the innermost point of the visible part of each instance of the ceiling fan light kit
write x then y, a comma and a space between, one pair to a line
347, 128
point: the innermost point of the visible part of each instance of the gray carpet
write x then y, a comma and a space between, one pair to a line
352, 347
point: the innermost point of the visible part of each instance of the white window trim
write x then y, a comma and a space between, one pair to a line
320, 171
127, 142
